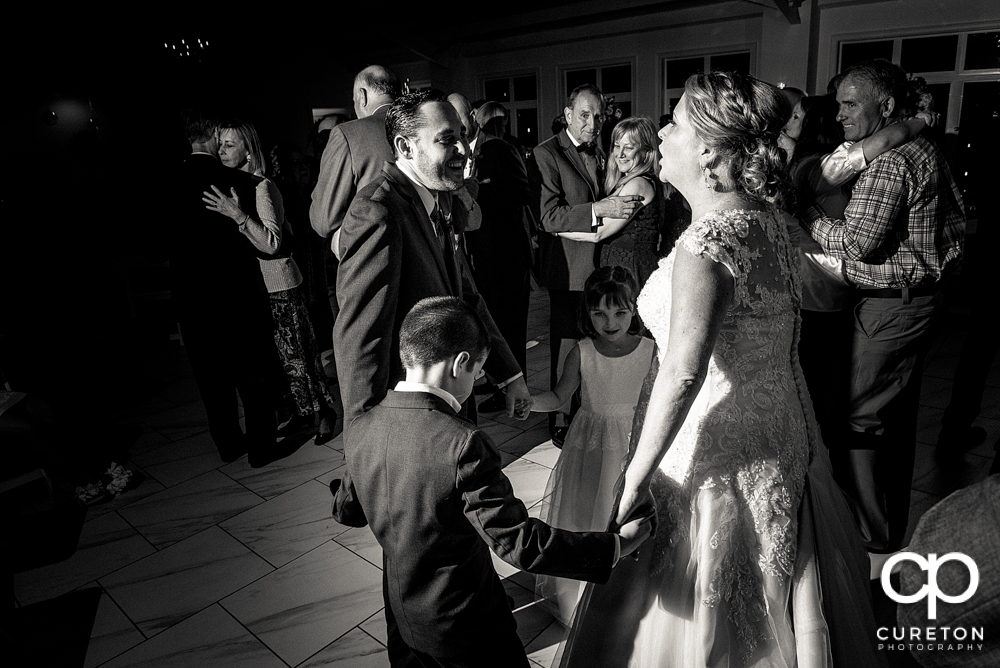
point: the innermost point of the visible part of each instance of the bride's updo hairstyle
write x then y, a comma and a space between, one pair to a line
740, 118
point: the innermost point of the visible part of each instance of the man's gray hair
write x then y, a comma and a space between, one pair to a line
378, 80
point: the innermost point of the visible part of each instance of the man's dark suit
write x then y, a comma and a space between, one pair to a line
223, 307
501, 247
438, 502
568, 194
390, 260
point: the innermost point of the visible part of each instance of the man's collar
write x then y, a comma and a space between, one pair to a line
407, 386
194, 152
572, 138
427, 196
375, 110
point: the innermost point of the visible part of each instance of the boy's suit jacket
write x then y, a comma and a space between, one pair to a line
568, 193
438, 501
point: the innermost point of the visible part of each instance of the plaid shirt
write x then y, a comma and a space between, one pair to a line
905, 224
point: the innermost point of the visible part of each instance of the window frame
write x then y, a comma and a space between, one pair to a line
665, 94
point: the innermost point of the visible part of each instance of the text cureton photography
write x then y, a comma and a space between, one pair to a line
950, 638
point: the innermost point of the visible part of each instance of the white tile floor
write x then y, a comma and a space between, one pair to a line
213, 564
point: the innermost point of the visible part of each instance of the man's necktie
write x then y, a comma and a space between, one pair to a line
588, 153
442, 227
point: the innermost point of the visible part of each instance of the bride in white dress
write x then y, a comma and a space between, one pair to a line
756, 561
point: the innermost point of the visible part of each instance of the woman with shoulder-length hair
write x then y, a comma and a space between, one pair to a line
240, 148
631, 242
756, 560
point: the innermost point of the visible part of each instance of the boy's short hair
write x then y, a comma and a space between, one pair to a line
438, 328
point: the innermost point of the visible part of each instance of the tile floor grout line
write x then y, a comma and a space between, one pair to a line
342, 635
252, 634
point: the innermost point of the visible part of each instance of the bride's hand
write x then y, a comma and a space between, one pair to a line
634, 497
633, 533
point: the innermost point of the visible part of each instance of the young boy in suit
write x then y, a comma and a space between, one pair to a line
437, 500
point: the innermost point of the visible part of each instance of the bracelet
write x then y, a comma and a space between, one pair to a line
243, 224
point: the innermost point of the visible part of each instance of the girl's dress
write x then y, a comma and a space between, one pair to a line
756, 561
580, 491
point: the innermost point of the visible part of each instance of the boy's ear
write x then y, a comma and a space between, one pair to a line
459, 363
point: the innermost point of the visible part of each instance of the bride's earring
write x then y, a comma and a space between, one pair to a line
709, 178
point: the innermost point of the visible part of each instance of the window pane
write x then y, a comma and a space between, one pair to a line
978, 145
679, 70
733, 62
617, 79
626, 108
576, 78
527, 126
525, 88
929, 54
852, 54
498, 90
983, 51
673, 105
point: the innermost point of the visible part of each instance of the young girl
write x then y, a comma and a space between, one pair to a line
609, 365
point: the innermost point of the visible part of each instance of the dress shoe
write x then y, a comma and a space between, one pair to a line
233, 451
272, 453
296, 424
335, 426
327, 436
496, 403
559, 436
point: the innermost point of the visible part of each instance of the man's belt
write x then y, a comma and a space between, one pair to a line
906, 294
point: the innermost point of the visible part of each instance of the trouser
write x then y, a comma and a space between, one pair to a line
332, 264
230, 356
825, 356
506, 293
982, 342
564, 309
504, 651
873, 462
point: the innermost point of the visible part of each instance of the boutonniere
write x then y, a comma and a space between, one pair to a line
600, 162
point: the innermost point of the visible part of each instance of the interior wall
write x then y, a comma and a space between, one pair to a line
881, 18
635, 40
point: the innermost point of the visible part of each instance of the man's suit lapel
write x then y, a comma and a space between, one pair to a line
423, 222
573, 156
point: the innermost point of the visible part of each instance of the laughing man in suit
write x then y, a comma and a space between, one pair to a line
396, 249
572, 170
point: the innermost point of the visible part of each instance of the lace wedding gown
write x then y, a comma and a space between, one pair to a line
756, 560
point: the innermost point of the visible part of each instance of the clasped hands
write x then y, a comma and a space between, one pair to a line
636, 517
618, 206
518, 399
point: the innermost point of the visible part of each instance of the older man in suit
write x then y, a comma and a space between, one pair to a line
572, 171
396, 248
354, 155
